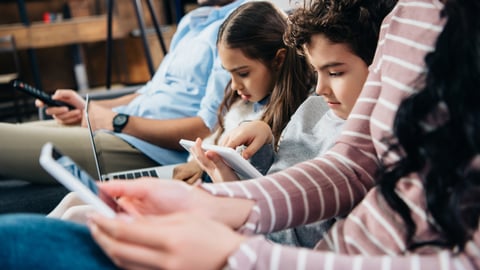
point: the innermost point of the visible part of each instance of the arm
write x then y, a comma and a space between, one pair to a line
115, 102
166, 133
274, 256
149, 196
193, 227
162, 132
137, 241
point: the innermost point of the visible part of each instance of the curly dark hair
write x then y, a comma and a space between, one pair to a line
438, 130
352, 22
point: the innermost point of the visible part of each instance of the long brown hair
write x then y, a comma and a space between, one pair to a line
257, 28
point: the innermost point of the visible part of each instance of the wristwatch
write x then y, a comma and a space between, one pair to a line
119, 122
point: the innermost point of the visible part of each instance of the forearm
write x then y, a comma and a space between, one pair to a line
330, 186
166, 133
267, 257
233, 212
111, 103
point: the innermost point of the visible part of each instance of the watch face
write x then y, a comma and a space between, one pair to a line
120, 119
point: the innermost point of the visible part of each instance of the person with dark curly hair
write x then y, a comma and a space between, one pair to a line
407, 163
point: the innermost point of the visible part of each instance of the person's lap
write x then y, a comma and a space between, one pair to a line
36, 242
21, 145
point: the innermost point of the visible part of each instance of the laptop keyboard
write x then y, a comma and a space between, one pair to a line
133, 175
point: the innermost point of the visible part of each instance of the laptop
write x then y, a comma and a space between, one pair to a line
164, 172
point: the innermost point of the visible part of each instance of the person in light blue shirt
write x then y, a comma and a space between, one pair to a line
140, 129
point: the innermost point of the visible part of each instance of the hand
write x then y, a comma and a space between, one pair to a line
212, 163
153, 196
62, 114
176, 241
189, 172
100, 117
252, 134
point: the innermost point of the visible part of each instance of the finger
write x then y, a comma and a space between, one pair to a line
71, 97
64, 94
83, 123
141, 230
201, 160
62, 112
181, 173
184, 176
141, 187
252, 148
223, 171
125, 188
69, 117
124, 253
39, 103
198, 182
193, 180
235, 141
196, 149
213, 156
199, 154
128, 206
56, 110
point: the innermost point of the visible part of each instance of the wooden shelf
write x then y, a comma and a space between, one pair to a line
78, 30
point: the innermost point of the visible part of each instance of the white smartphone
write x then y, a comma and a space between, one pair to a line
231, 157
74, 178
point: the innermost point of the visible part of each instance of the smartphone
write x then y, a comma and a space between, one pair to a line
37, 93
231, 157
74, 178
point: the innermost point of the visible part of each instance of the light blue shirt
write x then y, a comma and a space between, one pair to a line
189, 82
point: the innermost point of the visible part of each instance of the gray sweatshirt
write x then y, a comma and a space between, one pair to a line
312, 130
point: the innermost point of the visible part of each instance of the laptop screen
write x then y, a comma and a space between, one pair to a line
92, 140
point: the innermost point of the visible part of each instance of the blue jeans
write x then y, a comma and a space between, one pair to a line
29, 241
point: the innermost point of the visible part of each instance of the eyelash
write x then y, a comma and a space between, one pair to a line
243, 74
335, 74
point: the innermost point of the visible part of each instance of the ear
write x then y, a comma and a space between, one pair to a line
279, 59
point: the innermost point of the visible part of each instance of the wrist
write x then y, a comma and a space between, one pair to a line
119, 122
220, 208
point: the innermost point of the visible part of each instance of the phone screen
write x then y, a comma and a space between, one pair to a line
84, 178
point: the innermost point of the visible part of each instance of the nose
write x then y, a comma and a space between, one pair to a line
323, 87
236, 85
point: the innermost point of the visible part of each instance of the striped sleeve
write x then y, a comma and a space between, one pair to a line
333, 184
295, 196
316, 189
258, 253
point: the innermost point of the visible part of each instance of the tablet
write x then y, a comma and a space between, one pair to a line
231, 157
74, 178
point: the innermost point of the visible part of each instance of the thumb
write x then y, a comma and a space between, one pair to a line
251, 149
214, 157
